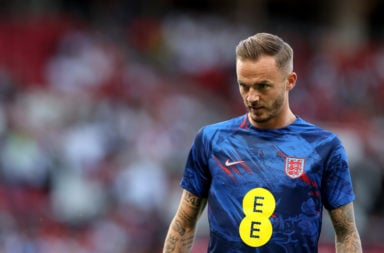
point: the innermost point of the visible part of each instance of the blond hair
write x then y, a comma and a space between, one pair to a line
262, 44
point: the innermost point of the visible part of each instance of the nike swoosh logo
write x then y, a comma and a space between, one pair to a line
228, 163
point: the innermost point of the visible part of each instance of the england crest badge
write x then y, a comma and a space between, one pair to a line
294, 167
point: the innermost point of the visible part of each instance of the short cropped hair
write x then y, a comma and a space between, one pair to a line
266, 44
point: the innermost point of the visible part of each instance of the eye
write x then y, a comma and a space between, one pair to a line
243, 87
263, 86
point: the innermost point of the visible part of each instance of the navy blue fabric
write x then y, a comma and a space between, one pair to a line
303, 166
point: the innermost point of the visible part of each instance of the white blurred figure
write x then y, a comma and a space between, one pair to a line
141, 184
80, 64
23, 155
107, 236
76, 199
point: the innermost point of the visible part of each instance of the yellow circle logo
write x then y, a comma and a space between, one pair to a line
256, 229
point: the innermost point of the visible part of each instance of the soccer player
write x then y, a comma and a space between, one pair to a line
265, 175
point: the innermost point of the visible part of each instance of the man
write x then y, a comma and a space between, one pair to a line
266, 175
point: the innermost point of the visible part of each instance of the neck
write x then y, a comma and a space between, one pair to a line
276, 122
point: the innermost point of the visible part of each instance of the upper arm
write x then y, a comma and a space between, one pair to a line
347, 236
343, 219
189, 210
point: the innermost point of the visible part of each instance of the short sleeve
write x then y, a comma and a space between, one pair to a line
337, 187
196, 177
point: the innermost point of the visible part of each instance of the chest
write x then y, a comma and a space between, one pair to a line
280, 164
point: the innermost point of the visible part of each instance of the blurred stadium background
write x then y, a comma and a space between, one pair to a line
100, 101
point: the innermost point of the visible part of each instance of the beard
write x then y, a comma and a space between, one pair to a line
262, 113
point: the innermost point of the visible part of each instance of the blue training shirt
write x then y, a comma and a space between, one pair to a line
266, 188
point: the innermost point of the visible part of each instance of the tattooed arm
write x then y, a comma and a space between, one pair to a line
182, 228
347, 236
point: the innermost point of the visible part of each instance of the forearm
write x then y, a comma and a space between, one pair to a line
349, 244
181, 231
347, 235
178, 239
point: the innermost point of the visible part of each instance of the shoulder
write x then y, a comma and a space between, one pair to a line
320, 138
219, 130
312, 130
229, 125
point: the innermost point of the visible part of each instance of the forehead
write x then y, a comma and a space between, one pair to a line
264, 68
262, 65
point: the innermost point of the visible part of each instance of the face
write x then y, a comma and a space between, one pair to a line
264, 89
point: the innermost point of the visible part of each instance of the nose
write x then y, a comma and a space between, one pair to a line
253, 96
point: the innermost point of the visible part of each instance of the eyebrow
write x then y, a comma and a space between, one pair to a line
255, 84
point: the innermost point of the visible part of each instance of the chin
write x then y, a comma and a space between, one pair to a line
260, 119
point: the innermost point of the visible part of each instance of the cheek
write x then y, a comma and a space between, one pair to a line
243, 96
242, 93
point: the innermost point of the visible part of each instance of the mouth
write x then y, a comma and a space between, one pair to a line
256, 111
255, 108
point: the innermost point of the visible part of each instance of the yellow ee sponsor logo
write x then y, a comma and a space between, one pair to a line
255, 228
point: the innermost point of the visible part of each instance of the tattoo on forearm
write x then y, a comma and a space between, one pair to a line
185, 216
182, 231
188, 241
178, 228
170, 244
193, 200
348, 239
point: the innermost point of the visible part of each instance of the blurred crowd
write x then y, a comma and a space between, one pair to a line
95, 127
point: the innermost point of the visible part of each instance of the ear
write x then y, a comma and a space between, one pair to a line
291, 78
